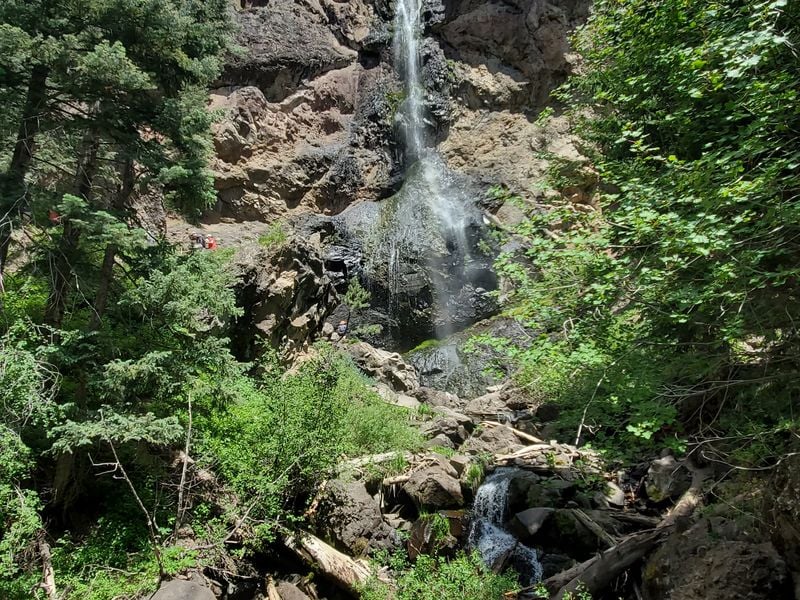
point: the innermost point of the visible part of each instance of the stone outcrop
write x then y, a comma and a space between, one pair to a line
285, 295
351, 518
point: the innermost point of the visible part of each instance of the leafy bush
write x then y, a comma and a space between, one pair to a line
275, 237
284, 435
679, 298
463, 578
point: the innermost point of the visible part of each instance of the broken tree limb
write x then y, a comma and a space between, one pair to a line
522, 452
592, 526
272, 590
520, 434
344, 570
48, 573
598, 572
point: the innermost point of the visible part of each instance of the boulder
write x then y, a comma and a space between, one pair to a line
289, 591
525, 524
387, 367
667, 479
451, 425
494, 440
716, 560
179, 589
351, 518
435, 487
434, 397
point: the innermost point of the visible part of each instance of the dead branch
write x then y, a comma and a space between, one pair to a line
598, 572
182, 485
48, 573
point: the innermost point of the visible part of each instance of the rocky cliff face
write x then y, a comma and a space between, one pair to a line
311, 124
310, 103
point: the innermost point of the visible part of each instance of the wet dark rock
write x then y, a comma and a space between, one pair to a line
351, 518
555, 563
448, 366
525, 524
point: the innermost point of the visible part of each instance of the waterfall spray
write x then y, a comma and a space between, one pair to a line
447, 205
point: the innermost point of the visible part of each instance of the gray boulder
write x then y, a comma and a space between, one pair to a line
435, 487
351, 518
666, 479
387, 367
179, 589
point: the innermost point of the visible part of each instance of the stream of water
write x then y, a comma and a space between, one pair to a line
490, 539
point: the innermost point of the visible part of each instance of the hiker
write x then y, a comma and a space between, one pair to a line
53, 217
211, 243
342, 328
198, 241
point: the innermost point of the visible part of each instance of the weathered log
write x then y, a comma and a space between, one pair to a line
342, 569
272, 590
48, 573
372, 459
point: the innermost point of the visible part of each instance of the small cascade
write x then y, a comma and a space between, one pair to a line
488, 536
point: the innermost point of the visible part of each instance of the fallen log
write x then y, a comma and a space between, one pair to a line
342, 569
520, 434
599, 572
373, 459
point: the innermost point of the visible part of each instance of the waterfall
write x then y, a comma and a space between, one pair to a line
444, 203
490, 539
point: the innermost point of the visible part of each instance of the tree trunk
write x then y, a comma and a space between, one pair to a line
107, 268
12, 191
345, 571
62, 268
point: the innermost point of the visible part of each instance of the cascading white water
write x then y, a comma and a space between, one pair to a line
446, 204
487, 535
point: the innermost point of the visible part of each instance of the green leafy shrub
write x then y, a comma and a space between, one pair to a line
275, 237
463, 578
282, 437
